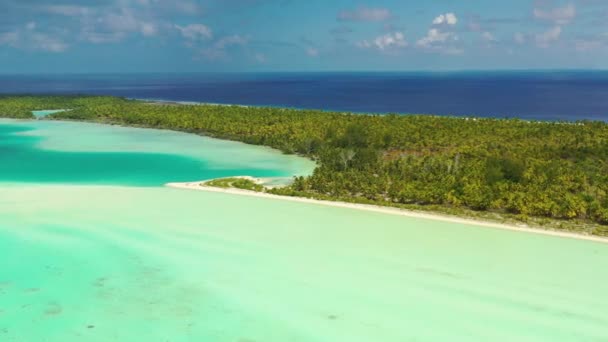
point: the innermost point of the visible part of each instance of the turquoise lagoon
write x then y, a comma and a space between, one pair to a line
71, 152
95, 249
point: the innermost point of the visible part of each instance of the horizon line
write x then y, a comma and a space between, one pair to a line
426, 71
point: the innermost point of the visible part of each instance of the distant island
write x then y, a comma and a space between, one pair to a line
553, 174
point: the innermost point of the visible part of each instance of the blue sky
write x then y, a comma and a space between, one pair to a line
300, 35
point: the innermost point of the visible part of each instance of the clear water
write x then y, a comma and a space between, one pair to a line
46, 151
84, 262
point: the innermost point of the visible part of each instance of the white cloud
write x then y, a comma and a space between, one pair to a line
124, 21
101, 37
519, 38
446, 19
67, 10
558, 15
435, 36
148, 29
588, 45
441, 37
230, 40
260, 58
489, 37
186, 6
201, 38
165, 6
9, 38
312, 52
195, 32
545, 39
108, 21
28, 38
48, 43
365, 14
385, 42
218, 49
115, 25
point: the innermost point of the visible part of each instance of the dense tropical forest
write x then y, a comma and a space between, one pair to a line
543, 169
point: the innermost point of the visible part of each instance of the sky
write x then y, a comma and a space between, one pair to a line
99, 36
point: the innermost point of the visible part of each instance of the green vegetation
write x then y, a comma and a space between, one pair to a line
239, 183
21, 107
517, 168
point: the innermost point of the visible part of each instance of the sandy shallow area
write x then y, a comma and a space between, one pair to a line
99, 263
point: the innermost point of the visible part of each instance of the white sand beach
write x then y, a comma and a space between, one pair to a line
384, 210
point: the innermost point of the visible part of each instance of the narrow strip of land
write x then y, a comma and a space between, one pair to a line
387, 210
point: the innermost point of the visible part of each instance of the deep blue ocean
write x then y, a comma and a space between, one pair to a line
530, 95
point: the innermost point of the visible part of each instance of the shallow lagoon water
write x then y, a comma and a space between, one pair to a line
71, 152
98, 263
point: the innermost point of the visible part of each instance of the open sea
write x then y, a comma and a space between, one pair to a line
560, 95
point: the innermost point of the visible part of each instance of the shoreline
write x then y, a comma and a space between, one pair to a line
353, 112
197, 186
186, 103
